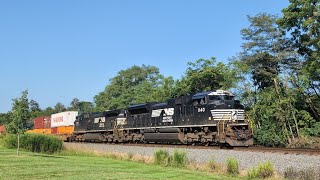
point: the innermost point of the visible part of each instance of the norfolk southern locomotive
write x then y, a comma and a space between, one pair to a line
209, 118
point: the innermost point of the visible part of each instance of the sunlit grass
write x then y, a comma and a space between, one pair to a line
63, 166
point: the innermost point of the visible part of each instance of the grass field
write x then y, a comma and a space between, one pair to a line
41, 166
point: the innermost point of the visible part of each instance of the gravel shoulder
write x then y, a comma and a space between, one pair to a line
247, 159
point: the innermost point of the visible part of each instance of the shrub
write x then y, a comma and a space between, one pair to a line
179, 158
162, 157
264, 170
232, 166
252, 173
304, 174
34, 142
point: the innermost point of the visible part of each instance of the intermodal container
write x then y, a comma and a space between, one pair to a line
47, 122
63, 119
35, 131
38, 122
65, 130
54, 130
2, 129
42, 122
46, 131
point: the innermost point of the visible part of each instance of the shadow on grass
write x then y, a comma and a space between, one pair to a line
48, 156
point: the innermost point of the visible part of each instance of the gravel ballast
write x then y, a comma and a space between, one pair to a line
246, 159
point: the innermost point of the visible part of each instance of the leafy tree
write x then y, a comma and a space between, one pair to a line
35, 111
5, 118
74, 105
301, 19
274, 104
20, 116
263, 50
165, 90
59, 107
34, 106
48, 111
131, 86
86, 107
205, 75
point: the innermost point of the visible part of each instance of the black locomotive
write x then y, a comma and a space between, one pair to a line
210, 118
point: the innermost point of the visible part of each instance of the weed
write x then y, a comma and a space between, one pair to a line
232, 166
264, 170
179, 158
162, 157
252, 173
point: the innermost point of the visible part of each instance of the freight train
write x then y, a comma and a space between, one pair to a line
208, 118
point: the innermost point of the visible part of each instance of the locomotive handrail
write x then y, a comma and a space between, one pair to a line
221, 119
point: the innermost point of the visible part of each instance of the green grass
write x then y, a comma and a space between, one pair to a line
43, 166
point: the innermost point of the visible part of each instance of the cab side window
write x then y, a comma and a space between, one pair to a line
199, 101
215, 98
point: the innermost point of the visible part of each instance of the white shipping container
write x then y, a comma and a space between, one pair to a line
64, 118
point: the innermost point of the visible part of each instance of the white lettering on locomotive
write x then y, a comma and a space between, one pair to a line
201, 110
167, 114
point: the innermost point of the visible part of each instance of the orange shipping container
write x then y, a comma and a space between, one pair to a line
40, 131
47, 131
36, 131
54, 130
65, 130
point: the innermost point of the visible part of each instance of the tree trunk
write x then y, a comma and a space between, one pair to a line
287, 133
296, 123
290, 128
314, 89
18, 144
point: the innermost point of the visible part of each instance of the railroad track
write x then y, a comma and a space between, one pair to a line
296, 151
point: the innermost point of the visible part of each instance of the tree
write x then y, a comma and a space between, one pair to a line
85, 107
35, 111
59, 107
20, 116
165, 91
74, 105
301, 19
5, 118
204, 75
34, 106
264, 49
134, 85
48, 111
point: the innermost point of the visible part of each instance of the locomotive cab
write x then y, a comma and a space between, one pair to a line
233, 128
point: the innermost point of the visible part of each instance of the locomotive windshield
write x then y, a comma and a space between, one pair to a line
220, 97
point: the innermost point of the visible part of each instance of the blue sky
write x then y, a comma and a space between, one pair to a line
59, 50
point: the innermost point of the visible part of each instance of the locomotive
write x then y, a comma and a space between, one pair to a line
208, 118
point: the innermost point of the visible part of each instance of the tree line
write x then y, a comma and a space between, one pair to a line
276, 76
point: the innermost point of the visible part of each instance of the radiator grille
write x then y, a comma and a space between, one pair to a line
228, 114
